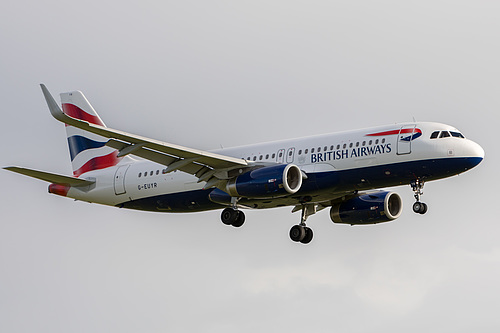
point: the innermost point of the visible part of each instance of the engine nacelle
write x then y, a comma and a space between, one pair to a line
266, 182
368, 208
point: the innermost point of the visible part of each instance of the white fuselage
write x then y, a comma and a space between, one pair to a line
363, 159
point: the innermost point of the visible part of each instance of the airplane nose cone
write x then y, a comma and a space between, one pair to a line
477, 150
475, 153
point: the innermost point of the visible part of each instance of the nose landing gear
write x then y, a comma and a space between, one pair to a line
417, 185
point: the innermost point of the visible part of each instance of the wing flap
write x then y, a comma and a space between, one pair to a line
172, 163
138, 150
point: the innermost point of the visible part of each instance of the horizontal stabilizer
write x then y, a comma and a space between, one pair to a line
51, 177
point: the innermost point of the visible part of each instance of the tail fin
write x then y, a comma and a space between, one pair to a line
88, 151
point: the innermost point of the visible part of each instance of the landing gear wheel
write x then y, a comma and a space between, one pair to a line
420, 207
308, 236
423, 210
417, 185
229, 216
239, 220
234, 217
297, 233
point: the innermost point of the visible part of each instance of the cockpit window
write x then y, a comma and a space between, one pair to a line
446, 134
457, 135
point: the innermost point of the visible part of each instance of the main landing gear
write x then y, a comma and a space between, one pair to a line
417, 185
232, 216
301, 232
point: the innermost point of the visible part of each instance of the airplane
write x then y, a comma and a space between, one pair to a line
342, 171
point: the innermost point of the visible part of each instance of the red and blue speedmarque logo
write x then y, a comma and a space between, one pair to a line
414, 133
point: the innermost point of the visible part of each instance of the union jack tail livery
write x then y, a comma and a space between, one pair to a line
88, 151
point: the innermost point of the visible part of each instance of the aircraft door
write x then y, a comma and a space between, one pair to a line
290, 153
404, 139
280, 157
119, 181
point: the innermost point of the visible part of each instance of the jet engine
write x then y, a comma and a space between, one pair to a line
368, 208
266, 182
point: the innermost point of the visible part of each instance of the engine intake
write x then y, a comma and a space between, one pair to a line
266, 182
368, 208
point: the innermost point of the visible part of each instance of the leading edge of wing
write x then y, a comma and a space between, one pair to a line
212, 160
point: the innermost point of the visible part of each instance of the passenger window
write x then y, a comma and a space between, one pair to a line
345, 145
267, 156
364, 143
312, 150
383, 140
140, 174
325, 148
151, 173
376, 142
434, 135
255, 158
306, 151
273, 156
145, 174
338, 147
157, 172
319, 149
300, 152
370, 142
357, 144
444, 134
331, 147
260, 158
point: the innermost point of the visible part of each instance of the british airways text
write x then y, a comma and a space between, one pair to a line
351, 153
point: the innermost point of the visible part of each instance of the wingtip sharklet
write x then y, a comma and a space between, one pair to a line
54, 108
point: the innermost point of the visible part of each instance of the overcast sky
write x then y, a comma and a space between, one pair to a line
210, 73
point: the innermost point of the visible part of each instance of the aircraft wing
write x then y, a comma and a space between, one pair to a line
202, 164
51, 177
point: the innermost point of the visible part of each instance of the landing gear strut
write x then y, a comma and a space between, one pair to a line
301, 232
417, 185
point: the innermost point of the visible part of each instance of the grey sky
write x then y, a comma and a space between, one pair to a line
211, 73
